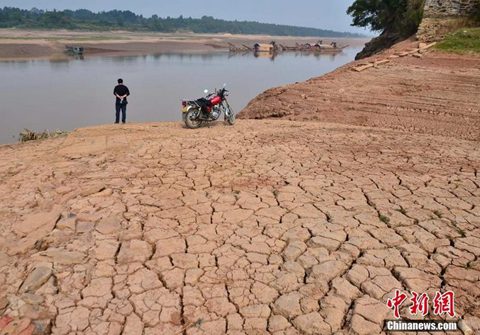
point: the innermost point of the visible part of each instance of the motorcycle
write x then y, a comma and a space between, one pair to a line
208, 109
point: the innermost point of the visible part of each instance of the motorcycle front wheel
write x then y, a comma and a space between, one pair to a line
228, 112
231, 119
229, 115
191, 120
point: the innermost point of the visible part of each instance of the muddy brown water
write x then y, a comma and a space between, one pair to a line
50, 95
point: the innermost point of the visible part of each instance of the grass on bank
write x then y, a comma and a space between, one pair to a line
466, 40
29, 135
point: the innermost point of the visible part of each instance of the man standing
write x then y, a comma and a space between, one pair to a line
121, 92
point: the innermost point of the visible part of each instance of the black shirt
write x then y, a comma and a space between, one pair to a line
121, 90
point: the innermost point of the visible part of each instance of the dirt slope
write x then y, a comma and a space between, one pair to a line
437, 94
269, 227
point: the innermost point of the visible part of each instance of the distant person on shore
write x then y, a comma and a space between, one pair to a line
121, 93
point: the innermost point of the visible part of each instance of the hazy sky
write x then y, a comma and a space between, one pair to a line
327, 14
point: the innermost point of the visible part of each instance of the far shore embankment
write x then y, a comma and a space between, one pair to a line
31, 44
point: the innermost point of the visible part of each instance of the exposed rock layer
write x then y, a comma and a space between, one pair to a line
443, 16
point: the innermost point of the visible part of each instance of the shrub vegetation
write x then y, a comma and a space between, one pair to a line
465, 40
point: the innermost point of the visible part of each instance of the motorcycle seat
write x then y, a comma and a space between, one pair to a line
204, 104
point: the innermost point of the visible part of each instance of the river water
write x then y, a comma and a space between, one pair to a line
50, 95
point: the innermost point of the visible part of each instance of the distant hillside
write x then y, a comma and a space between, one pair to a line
126, 20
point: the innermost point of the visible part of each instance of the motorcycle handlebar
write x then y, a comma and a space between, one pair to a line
222, 91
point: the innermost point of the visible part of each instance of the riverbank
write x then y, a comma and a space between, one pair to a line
434, 93
281, 227
28, 44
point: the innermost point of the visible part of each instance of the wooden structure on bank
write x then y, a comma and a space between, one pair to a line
273, 47
416, 52
317, 47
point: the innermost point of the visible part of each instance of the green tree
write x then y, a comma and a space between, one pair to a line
395, 16
55, 20
476, 12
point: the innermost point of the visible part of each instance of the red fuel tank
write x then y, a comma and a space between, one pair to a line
216, 100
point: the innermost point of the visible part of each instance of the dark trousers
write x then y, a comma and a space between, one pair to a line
120, 108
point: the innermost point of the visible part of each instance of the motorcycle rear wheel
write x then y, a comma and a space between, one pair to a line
191, 120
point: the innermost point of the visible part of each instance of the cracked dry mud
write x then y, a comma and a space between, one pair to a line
267, 227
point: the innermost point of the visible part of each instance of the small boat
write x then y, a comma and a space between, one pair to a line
265, 47
73, 49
